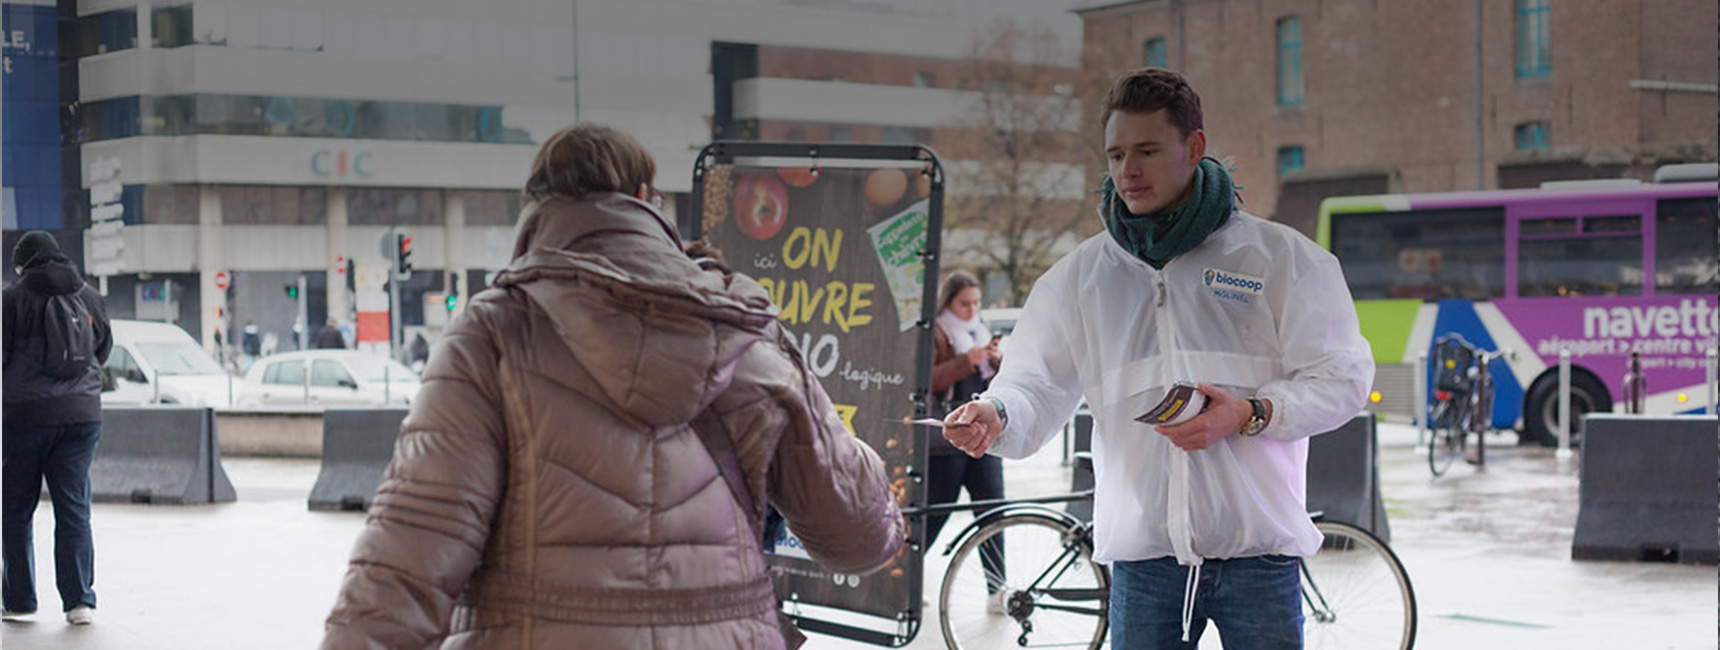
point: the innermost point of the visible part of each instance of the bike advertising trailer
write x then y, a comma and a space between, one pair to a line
845, 237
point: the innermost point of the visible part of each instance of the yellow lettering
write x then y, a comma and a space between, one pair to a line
800, 234
830, 245
858, 301
808, 300
838, 295
806, 245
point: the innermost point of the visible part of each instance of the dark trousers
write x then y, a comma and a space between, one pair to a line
983, 477
61, 455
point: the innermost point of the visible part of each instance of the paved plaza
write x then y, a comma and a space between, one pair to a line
1488, 551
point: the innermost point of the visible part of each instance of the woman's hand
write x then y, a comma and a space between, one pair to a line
977, 355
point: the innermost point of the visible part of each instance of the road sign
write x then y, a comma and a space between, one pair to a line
222, 280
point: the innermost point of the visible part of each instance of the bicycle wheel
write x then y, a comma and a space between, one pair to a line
1355, 593
1446, 443
1052, 594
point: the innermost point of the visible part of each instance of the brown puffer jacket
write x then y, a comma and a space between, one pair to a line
546, 489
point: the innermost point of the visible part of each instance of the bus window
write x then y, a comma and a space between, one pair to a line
1426, 254
1604, 260
1687, 252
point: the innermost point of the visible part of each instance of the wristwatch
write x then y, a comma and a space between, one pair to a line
1256, 420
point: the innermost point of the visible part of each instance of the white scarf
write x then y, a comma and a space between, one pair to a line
966, 335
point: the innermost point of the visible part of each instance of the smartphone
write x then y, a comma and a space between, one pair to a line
1180, 404
996, 337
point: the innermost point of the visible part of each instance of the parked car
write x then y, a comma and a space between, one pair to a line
329, 377
159, 363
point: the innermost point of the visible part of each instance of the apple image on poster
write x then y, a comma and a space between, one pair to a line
761, 205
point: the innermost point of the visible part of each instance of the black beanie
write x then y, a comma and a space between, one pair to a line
31, 245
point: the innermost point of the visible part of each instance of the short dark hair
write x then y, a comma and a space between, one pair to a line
1145, 90
589, 158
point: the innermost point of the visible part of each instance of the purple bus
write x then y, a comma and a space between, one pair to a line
1600, 268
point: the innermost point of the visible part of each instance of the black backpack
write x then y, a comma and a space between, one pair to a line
69, 337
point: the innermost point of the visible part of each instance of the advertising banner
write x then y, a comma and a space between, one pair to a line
841, 251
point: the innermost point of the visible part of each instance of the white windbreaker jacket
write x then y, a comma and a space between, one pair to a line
1256, 308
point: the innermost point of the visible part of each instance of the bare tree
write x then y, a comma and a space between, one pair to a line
1017, 176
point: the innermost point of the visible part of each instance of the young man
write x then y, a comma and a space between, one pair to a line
1202, 520
53, 410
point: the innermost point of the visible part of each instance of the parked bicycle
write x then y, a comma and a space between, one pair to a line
1462, 402
1022, 575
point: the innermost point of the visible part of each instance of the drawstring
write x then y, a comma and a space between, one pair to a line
1189, 589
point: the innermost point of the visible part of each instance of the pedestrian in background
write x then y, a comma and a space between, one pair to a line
56, 340
965, 357
1203, 519
329, 337
589, 459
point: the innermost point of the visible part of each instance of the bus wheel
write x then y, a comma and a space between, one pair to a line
1541, 408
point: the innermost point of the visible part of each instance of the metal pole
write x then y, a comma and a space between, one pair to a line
1713, 382
1564, 403
1418, 379
1480, 147
304, 316
393, 292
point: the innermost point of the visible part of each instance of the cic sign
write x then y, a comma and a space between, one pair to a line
340, 164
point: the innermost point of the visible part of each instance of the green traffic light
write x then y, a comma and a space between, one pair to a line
453, 301
292, 291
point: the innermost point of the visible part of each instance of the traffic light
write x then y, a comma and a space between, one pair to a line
453, 291
403, 260
292, 291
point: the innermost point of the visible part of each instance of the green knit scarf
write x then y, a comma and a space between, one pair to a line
1158, 238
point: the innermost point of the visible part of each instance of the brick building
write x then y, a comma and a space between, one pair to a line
1312, 98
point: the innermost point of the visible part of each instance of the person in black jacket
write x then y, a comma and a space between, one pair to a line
51, 428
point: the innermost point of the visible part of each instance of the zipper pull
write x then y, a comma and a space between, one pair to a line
1161, 292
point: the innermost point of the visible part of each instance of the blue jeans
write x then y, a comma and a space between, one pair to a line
62, 455
1256, 602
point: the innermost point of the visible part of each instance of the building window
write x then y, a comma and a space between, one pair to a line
1289, 160
840, 133
1534, 53
171, 27
1289, 61
1532, 136
1153, 53
109, 31
925, 80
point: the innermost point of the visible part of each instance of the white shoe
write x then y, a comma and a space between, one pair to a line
9, 615
81, 615
995, 603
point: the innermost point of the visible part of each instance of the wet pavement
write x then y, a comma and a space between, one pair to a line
1488, 551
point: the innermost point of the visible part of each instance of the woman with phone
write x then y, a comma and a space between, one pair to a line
965, 357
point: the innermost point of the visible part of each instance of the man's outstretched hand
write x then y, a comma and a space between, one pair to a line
973, 426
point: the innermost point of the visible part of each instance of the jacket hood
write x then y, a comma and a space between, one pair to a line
609, 272
53, 276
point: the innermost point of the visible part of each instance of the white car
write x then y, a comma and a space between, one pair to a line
328, 378
159, 363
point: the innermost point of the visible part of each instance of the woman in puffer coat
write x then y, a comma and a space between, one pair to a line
547, 488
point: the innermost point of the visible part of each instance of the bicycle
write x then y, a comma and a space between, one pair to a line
1463, 401
1355, 591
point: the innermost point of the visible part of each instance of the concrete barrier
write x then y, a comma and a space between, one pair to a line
1647, 490
159, 454
284, 433
1343, 476
357, 445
